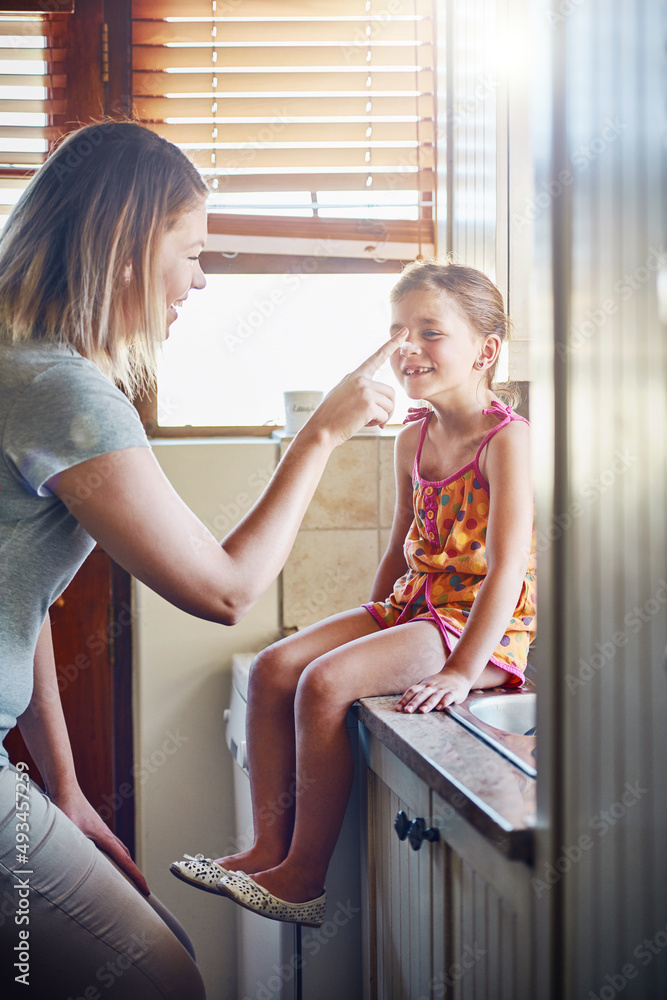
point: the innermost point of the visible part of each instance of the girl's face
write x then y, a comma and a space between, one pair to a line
179, 258
442, 347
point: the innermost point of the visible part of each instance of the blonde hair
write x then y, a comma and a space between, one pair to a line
78, 255
477, 297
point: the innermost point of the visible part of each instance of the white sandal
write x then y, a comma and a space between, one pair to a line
246, 892
199, 871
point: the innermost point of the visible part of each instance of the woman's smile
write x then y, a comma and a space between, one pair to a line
174, 307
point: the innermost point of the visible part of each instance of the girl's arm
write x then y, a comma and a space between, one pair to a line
45, 734
508, 543
393, 565
138, 518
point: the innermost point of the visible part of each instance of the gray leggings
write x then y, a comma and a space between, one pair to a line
71, 925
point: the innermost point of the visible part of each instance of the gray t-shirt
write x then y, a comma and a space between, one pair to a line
56, 410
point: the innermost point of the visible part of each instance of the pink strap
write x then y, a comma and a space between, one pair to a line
418, 413
424, 413
508, 415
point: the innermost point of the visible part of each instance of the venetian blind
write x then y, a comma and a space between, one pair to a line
310, 122
32, 83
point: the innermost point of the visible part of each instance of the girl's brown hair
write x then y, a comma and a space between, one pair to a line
477, 297
78, 255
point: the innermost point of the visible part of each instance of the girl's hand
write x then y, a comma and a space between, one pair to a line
448, 687
77, 807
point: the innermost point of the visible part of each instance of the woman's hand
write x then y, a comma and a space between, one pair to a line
447, 687
77, 807
357, 401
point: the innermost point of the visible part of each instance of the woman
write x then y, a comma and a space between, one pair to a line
95, 258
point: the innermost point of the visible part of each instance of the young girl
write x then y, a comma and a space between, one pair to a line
463, 518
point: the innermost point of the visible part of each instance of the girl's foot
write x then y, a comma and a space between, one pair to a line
251, 861
289, 883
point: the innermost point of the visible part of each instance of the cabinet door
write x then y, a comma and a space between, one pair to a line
482, 916
92, 625
453, 919
399, 957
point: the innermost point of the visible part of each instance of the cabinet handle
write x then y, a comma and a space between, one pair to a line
419, 832
401, 825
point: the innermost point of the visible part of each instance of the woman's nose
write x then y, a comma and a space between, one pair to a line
198, 278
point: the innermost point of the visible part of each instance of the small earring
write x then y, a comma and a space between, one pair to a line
479, 364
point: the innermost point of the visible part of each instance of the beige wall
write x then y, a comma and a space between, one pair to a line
183, 665
182, 677
344, 533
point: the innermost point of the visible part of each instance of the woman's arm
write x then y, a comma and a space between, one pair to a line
45, 734
142, 523
393, 565
508, 543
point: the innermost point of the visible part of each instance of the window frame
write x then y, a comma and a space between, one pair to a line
371, 236
216, 263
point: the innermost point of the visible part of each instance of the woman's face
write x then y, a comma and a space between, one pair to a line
179, 258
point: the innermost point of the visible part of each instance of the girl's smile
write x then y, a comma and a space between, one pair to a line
411, 372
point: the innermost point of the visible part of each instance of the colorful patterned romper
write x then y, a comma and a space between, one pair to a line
445, 553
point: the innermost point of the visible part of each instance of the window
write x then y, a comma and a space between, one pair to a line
314, 128
247, 338
32, 82
294, 114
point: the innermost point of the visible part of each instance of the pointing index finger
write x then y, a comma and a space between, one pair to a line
371, 365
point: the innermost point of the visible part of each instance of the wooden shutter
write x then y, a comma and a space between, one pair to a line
312, 123
38, 6
32, 85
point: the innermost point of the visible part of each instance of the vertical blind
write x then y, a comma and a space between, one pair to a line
32, 83
474, 97
304, 118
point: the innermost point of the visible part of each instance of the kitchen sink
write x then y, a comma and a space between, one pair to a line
513, 714
504, 718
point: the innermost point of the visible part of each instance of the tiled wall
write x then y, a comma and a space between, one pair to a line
346, 530
344, 533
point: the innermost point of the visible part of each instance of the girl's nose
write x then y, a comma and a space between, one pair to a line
407, 347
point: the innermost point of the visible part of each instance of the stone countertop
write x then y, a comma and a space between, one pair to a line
487, 790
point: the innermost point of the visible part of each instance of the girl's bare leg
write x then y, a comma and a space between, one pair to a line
384, 662
270, 734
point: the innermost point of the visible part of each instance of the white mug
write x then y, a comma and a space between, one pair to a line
298, 407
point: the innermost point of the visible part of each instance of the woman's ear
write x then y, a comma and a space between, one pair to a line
127, 274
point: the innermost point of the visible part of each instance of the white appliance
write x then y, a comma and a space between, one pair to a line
279, 961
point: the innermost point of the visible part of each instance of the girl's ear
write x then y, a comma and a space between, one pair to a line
127, 274
489, 351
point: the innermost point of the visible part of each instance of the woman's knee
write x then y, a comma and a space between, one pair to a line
169, 969
136, 959
155, 966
